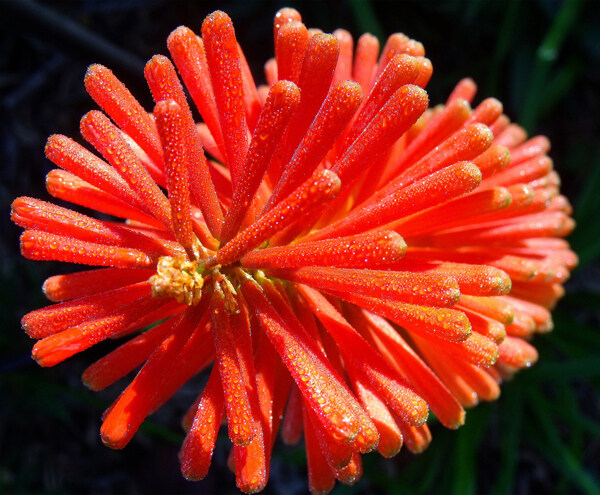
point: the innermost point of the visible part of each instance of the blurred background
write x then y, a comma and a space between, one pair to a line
541, 58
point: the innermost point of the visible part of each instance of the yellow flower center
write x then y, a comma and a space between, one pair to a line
179, 278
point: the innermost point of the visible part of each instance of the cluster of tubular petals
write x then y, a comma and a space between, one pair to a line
341, 257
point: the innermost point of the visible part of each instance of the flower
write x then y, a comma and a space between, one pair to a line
347, 257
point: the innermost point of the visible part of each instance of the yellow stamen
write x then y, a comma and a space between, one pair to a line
177, 277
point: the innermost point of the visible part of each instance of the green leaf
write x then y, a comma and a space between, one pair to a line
468, 439
502, 48
511, 426
546, 54
552, 446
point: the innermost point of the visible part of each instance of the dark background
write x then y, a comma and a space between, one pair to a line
540, 58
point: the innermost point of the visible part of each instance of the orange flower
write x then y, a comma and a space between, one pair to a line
347, 257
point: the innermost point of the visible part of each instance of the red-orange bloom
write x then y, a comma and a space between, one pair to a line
341, 256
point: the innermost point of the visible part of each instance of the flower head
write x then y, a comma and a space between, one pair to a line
340, 257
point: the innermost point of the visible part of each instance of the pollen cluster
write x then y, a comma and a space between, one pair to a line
338, 256
177, 277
